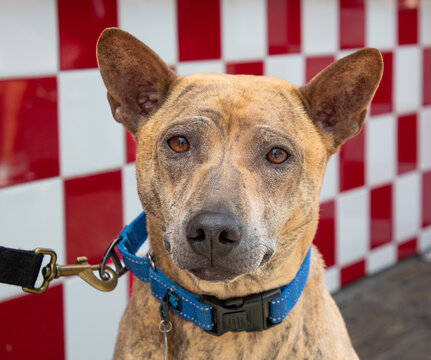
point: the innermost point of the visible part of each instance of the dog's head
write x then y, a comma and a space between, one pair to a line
229, 168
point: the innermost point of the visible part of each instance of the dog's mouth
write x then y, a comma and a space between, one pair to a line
213, 274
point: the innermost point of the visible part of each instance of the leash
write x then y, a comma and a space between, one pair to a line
254, 312
22, 267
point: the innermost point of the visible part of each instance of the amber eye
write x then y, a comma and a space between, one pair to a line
277, 156
179, 144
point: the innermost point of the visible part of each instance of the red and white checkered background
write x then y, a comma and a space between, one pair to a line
66, 167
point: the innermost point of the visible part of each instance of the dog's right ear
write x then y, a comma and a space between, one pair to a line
337, 98
136, 78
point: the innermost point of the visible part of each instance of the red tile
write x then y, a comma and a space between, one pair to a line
198, 29
131, 279
427, 76
426, 199
352, 272
28, 130
130, 148
325, 235
407, 136
382, 101
316, 64
249, 68
352, 162
407, 249
80, 23
352, 24
93, 214
407, 22
284, 26
33, 326
381, 216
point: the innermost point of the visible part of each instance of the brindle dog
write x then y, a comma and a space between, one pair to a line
229, 171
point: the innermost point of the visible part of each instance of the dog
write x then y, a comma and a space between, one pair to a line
229, 171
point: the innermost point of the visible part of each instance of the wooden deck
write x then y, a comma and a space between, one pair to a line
388, 315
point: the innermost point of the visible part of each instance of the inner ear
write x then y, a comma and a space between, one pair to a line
337, 98
136, 78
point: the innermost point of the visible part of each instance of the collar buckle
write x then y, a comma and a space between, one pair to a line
249, 313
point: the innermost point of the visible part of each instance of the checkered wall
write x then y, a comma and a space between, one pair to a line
66, 167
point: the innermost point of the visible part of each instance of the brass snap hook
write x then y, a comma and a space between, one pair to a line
86, 272
81, 268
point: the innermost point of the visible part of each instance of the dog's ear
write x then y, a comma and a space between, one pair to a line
136, 78
337, 98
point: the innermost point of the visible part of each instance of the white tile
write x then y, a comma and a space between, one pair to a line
131, 203
343, 53
424, 145
191, 67
330, 179
90, 139
243, 29
425, 22
380, 149
143, 250
352, 226
424, 243
319, 27
28, 37
154, 22
287, 67
381, 258
8, 292
407, 206
408, 82
92, 318
31, 216
332, 279
380, 29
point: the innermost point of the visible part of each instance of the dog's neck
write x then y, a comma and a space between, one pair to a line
279, 271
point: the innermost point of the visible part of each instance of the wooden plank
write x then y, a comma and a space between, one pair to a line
388, 315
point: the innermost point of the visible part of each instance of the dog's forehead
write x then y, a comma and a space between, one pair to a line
244, 98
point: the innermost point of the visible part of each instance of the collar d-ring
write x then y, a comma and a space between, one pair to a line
151, 261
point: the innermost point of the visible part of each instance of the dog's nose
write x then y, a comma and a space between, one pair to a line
213, 234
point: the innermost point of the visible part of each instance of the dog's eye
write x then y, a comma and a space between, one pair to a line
277, 156
179, 144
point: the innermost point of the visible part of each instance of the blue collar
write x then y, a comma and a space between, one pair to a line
251, 313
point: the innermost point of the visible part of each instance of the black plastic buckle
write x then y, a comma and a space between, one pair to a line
250, 313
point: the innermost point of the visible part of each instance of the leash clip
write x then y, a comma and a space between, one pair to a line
81, 268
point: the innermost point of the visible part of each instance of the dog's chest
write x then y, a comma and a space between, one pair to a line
189, 342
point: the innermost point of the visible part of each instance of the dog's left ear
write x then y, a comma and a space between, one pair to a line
137, 80
337, 98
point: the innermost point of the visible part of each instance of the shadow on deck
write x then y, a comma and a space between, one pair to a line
388, 315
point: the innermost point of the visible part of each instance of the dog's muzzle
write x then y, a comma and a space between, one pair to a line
217, 246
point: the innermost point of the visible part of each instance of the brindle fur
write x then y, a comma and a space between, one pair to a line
231, 123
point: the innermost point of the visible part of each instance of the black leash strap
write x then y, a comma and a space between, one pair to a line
19, 267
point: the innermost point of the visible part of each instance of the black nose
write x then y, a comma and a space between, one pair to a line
213, 234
